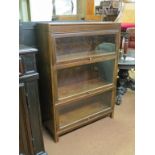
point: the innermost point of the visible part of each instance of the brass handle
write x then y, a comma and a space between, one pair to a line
88, 93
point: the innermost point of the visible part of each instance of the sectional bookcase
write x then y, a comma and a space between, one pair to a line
78, 71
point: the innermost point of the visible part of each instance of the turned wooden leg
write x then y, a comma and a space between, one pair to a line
122, 84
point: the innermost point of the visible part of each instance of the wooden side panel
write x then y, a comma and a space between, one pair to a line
117, 40
45, 82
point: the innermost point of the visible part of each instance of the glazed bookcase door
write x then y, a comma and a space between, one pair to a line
83, 47
75, 113
83, 80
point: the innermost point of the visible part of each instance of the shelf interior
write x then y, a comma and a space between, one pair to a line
77, 47
76, 111
81, 79
81, 87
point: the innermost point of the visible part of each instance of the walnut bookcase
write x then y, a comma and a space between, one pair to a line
78, 70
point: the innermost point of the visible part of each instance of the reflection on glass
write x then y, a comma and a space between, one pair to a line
92, 76
85, 108
70, 48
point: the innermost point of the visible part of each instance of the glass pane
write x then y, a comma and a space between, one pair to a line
76, 80
69, 48
81, 109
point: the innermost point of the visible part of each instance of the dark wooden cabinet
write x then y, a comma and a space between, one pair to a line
30, 129
78, 70
25, 145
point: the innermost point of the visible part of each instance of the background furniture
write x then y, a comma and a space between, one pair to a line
27, 33
78, 67
131, 38
124, 81
124, 27
126, 63
109, 9
30, 134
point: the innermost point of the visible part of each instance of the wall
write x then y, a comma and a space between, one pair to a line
23, 10
81, 8
81, 11
128, 13
41, 10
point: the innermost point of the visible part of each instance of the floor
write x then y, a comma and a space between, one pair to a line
104, 137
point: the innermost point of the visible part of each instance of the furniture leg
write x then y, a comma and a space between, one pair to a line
122, 84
